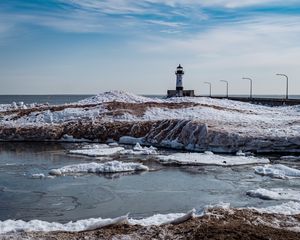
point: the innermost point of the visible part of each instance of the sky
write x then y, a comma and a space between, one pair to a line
92, 46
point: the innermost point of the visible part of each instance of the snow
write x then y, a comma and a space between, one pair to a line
277, 171
208, 158
139, 150
55, 117
118, 96
244, 118
38, 175
287, 208
275, 194
108, 167
240, 153
37, 225
11, 226
257, 127
159, 219
129, 140
16, 106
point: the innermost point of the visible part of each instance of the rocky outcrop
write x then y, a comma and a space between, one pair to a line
177, 134
95, 131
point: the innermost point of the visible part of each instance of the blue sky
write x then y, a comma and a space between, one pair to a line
91, 46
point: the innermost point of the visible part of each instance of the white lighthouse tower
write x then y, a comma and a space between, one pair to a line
179, 73
179, 92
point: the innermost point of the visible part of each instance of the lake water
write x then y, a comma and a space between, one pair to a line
165, 190
61, 99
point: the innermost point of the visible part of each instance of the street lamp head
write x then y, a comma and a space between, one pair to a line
281, 74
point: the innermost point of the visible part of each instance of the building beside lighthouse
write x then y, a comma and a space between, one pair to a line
180, 92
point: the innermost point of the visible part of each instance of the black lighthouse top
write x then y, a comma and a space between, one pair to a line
179, 70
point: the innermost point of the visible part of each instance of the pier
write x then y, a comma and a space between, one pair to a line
262, 101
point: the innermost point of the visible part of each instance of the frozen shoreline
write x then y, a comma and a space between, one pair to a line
280, 218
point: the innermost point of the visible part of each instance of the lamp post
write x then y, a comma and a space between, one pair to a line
287, 84
226, 87
209, 88
250, 85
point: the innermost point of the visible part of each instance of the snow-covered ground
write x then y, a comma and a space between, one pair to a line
208, 158
249, 118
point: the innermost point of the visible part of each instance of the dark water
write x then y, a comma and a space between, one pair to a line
65, 198
51, 99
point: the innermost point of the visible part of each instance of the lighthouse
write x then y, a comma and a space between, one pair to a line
179, 92
179, 74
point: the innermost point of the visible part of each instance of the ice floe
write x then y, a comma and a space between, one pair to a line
38, 175
11, 226
277, 171
275, 194
208, 158
97, 150
108, 167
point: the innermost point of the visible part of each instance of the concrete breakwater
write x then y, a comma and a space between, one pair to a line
264, 101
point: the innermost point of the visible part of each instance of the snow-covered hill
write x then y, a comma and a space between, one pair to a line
187, 123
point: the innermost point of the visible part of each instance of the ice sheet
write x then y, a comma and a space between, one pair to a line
208, 158
277, 171
108, 167
275, 194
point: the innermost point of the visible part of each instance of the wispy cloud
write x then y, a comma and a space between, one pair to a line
166, 23
257, 42
85, 16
